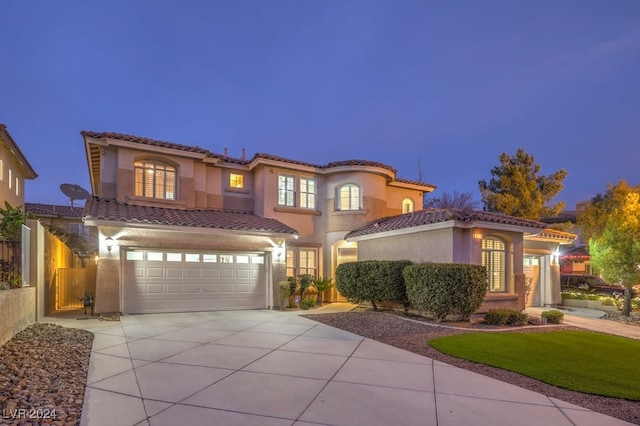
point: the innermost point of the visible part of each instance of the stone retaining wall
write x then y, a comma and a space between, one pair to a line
17, 311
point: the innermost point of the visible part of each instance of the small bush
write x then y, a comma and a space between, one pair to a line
4, 286
505, 317
553, 317
308, 302
283, 294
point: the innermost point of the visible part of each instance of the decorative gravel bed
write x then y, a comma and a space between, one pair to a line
414, 336
43, 372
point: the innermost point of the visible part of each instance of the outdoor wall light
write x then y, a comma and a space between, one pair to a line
109, 243
279, 251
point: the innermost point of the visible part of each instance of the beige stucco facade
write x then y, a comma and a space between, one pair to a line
454, 241
203, 183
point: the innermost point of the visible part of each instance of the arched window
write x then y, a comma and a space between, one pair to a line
155, 180
349, 197
494, 259
407, 205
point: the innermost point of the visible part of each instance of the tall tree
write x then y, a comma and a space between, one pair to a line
516, 189
458, 200
611, 222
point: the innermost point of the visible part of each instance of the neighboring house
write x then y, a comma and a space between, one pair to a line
14, 170
501, 243
184, 229
575, 258
66, 222
542, 266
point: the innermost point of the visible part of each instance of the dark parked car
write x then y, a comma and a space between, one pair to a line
590, 284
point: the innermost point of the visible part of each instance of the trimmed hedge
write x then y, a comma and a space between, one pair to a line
373, 281
553, 316
446, 288
505, 317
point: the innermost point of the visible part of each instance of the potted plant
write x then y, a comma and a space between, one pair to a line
322, 284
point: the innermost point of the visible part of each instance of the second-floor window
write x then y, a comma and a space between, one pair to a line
236, 181
349, 197
308, 192
286, 190
155, 180
407, 205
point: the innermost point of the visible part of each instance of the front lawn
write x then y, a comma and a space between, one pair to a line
583, 361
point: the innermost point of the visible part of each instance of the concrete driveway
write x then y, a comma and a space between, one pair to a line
277, 368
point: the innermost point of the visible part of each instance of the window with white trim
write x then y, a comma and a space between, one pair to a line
1, 169
407, 205
286, 190
155, 180
308, 192
494, 256
349, 197
302, 260
10, 179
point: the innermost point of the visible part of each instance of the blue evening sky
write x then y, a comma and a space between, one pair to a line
442, 87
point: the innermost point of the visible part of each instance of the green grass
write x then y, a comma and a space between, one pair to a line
583, 361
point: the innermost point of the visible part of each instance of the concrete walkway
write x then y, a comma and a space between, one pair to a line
278, 368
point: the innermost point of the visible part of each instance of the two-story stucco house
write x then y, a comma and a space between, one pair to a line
14, 170
184, 229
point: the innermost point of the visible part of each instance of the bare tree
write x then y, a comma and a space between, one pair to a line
458, 200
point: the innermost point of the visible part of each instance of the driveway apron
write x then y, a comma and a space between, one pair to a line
278, 368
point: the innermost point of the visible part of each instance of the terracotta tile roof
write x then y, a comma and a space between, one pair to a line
426, 217
147, 141
260, 155
53, 210
100, 209
575, 253
556, 234
21, 157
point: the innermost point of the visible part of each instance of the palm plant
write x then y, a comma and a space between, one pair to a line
322, 284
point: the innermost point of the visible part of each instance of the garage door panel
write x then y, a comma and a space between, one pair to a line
210, 288
243, 288
173, 304
210, 273
192, 289
226, 273
227, 288
174, 288
173, 272
156, 281
192, 273
154, 272
154, 289
243, 273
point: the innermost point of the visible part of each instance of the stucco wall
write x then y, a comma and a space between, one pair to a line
17, 311
107, 286
419, 247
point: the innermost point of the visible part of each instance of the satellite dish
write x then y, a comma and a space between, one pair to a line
74, 192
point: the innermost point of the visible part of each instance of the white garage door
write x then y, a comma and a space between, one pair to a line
181, 281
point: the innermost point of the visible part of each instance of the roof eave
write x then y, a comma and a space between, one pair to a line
90, 221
